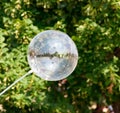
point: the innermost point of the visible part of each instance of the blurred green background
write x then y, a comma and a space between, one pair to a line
94, 25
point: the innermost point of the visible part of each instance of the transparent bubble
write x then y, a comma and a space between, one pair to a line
52, 55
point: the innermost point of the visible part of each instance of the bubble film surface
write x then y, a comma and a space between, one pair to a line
52, 55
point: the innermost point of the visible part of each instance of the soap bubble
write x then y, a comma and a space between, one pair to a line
52, 55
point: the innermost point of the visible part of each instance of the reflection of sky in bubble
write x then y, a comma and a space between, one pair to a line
45, 45
52, 44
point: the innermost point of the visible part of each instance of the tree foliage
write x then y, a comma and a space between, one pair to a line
94, 27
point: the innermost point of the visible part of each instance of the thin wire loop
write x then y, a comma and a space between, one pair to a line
29, 72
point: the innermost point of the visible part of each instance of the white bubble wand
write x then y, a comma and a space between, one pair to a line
29, 72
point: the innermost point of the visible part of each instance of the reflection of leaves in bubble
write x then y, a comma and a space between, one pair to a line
56, 54
32, 53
